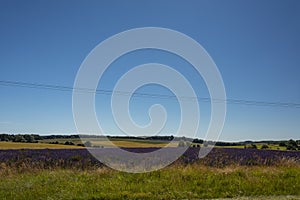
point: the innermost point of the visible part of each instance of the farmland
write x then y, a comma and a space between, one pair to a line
75, 141
22, 145
60, 167
76, 174
116, 142
51, 144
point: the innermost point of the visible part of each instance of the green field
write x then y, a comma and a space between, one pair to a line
175, 182
271, 147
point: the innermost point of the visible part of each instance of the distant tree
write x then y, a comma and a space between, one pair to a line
88, 144
292, 145
199, 141
29, 138
19, 138
171, 137
37, 137
292, 142
69, 143
282, 144
5, 137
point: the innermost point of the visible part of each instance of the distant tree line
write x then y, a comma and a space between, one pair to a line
183, 141
291, 144
43, 137
30, 138
228, 144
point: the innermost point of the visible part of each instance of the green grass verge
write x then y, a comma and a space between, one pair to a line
176, 182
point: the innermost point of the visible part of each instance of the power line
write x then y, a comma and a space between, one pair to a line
146, 95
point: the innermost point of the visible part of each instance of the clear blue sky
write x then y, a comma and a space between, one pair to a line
255, 44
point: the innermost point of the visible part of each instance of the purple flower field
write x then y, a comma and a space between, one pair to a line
82, 159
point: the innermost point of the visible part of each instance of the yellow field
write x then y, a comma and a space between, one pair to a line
17, 145
123, 143
101, 143
106, 144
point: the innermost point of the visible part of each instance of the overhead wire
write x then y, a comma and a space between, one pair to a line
146, 95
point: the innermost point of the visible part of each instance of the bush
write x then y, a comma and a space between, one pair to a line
252, 146
264, 146
69, 143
